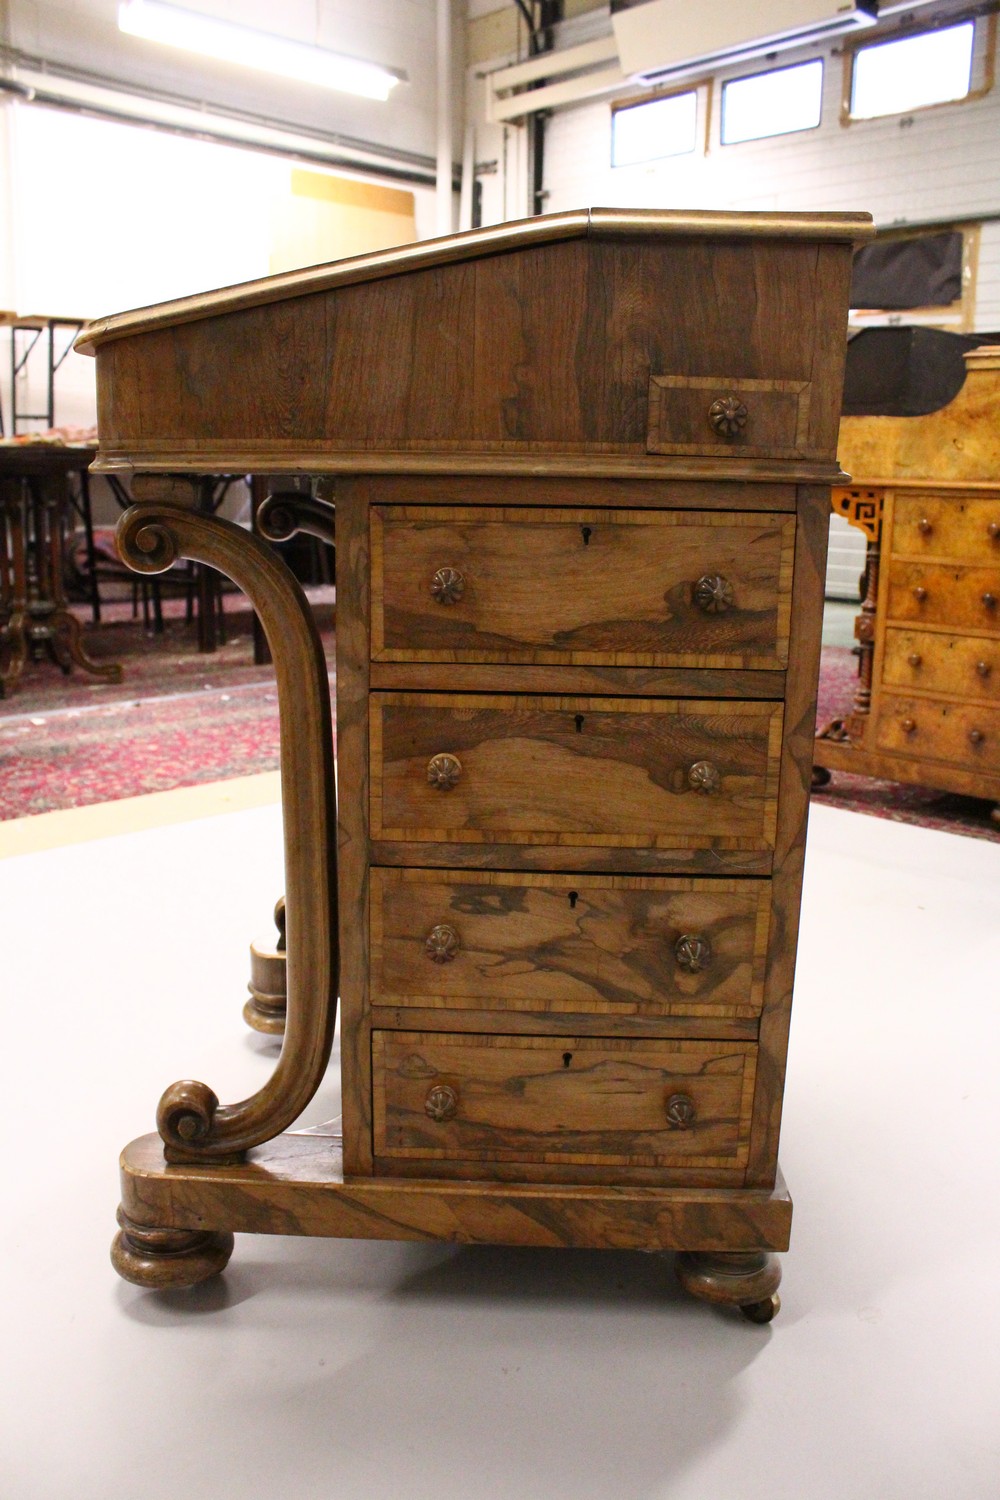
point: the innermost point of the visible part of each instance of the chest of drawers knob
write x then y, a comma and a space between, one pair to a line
924, 526
713, 594
441, 1102
728, 416
976, 736
680, 1111
704, 777
692, 952
983, 668
908, 726
993, 531
914, 659
920, 594
442, 943
443, 772
990, 600
447, 585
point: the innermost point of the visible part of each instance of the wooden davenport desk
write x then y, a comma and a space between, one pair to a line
581, 469
926, 494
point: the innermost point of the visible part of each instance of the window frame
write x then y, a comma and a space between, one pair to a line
653, 96
773, 135
904, 34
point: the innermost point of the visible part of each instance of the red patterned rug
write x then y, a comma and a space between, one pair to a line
179, 718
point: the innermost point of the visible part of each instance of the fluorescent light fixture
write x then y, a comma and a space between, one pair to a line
192, 32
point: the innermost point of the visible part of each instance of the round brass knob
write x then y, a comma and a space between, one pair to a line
447, 585
990, 600
924, 526
441, 1102
914, 659
983, 668
442, 943
728, 416
693, 953
920, 594
704, 777
908, 726
713, 594
993, 530
443, 772
976, 736
680, 1111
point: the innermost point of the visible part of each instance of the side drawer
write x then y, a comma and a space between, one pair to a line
935, 594
967, 735
587, 587
554, 1100
947, 527
631, 773
720, 416
966, 665
617, 945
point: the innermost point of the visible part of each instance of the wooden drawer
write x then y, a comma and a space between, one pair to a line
561, 1100
946, 528
631, 773
615, 945
934, 594
966, 665
582, 587
718, 416
966, 734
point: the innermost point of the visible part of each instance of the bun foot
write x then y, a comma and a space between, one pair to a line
163, 1259
747, 1279
267, 1007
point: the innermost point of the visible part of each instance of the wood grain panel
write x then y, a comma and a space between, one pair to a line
614, 588
947, 528
621, 682
572, 771
935, 594
932, 729
966, 666
592, 486
586, 1100
776, 420
565, 943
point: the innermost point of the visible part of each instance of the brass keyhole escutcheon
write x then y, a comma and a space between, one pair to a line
443, 772
442, 943
680, 1111
447, 585
441, 1102
692, 952
728, 416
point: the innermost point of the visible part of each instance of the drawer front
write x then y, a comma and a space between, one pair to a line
719, 417
631, 773
948, 529
581, 587
966, 665
568, 943
556, 1100
965, 734
929, 594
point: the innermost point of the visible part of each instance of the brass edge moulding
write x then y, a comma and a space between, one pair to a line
854, 228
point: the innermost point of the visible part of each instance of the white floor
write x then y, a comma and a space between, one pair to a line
315, 1370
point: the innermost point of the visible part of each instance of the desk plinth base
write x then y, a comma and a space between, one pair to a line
178, 1221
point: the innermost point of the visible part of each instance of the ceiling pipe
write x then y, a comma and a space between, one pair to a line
444, 201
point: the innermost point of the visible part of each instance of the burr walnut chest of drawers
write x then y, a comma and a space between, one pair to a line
580, 470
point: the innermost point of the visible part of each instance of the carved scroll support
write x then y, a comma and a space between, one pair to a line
193, 1125
281, 516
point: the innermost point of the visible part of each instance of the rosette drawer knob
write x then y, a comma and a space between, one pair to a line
693, 953
680, 1111
728, 416
704, 777
447, 585
442, 943
441, 1102
713, 594
443, 772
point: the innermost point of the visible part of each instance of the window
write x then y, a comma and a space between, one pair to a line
656, 128
773, 103
892, 78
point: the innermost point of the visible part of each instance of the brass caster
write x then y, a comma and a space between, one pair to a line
165, 1259
762, 1312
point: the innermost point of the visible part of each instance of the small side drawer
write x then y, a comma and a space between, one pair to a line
967, 735
949, 529
934, 594
931, 661
718, 416
582, 587
610, 772
614, 945
555, 1099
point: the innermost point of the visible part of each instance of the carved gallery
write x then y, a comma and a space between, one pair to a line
500, 748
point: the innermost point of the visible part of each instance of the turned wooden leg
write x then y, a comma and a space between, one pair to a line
167, 1258
747, 1279
266, 1009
